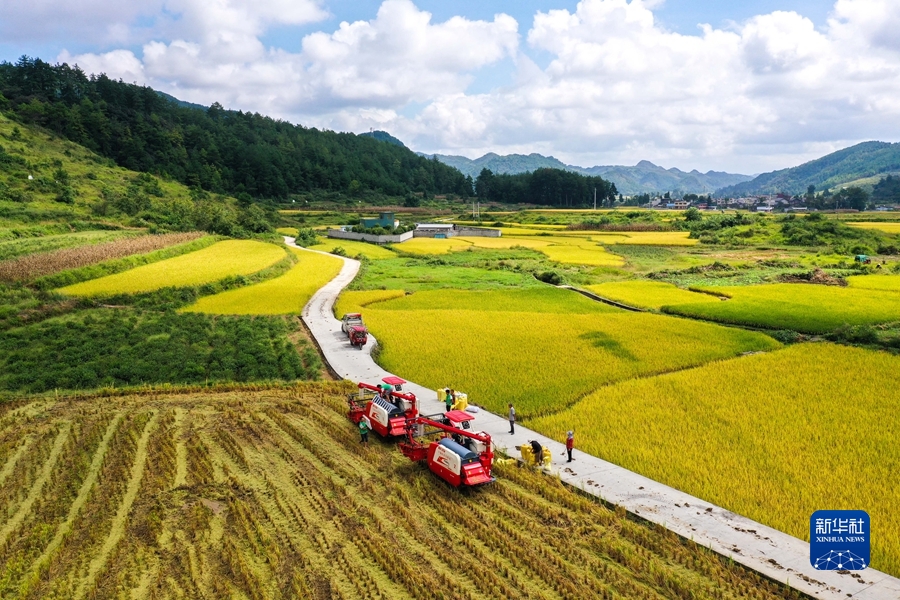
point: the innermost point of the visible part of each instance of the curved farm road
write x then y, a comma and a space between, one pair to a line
761, 548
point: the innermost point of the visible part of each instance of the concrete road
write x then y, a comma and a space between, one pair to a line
763, 549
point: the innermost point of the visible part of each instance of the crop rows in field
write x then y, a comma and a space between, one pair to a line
223, 259
286, 294
270, 495
885, 227
773, 437
25, 244
44, 263
541, 349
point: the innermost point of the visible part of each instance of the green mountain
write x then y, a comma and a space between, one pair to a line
383, 136
868, 159
222, 151
643, 178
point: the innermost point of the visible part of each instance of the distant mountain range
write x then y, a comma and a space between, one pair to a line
644, 177
868, 159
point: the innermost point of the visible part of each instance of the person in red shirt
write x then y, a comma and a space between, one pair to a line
570, 444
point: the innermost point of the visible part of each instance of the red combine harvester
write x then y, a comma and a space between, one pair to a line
460, 457
388, 417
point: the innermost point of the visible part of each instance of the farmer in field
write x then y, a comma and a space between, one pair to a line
364, 427
538, 452
512, 419
570, 444
449, 399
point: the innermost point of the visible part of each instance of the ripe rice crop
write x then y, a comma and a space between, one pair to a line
885, 227
354, 248
433, 245
802, 307
647, 238
223, 259
875, 282
287, 294
648, 294
773, 437
355, 301
584, 254
542, 351
45, 263
268, 494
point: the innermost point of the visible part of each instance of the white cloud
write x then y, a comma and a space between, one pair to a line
616, 87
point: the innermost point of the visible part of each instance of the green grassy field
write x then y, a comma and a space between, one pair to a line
223, 259
773, 437
800, 307
542, 350
287, 294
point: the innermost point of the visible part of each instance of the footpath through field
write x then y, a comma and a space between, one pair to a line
775, 554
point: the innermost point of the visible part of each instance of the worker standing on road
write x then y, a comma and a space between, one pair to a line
448, 400
570, 444
512, 419
364, 427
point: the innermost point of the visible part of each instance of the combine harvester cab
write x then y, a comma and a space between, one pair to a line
462, 462
388, 418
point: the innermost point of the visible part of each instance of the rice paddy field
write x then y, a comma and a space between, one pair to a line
541, 349
649, 294
886, 227
875, 282
268, 494
354, 248
223, 259
286, 294
773, 436
801, 307
572, 249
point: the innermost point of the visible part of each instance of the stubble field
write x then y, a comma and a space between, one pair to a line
268, 494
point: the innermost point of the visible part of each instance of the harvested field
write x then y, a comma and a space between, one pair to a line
269, 495
223, 259
37, 265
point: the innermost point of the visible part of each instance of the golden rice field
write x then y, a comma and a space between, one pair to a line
773, 437
648, 294
801, 307
582, 254
354, 248
269, 495
574, 249
223, 259
355, 301
542, 350
286, 294
875, 282
885, 227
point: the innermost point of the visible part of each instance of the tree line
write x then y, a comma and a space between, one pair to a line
221, 151
545, 187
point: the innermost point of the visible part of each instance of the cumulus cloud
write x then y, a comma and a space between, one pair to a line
617, 87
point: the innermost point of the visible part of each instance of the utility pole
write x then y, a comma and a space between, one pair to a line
595, 198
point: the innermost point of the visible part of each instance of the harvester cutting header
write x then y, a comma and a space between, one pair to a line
454, 453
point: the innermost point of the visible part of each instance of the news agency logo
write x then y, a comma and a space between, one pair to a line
839, 540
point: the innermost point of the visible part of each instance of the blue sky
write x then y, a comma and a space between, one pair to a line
764, 84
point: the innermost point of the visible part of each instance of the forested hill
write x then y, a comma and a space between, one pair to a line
219, 150
867, 159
